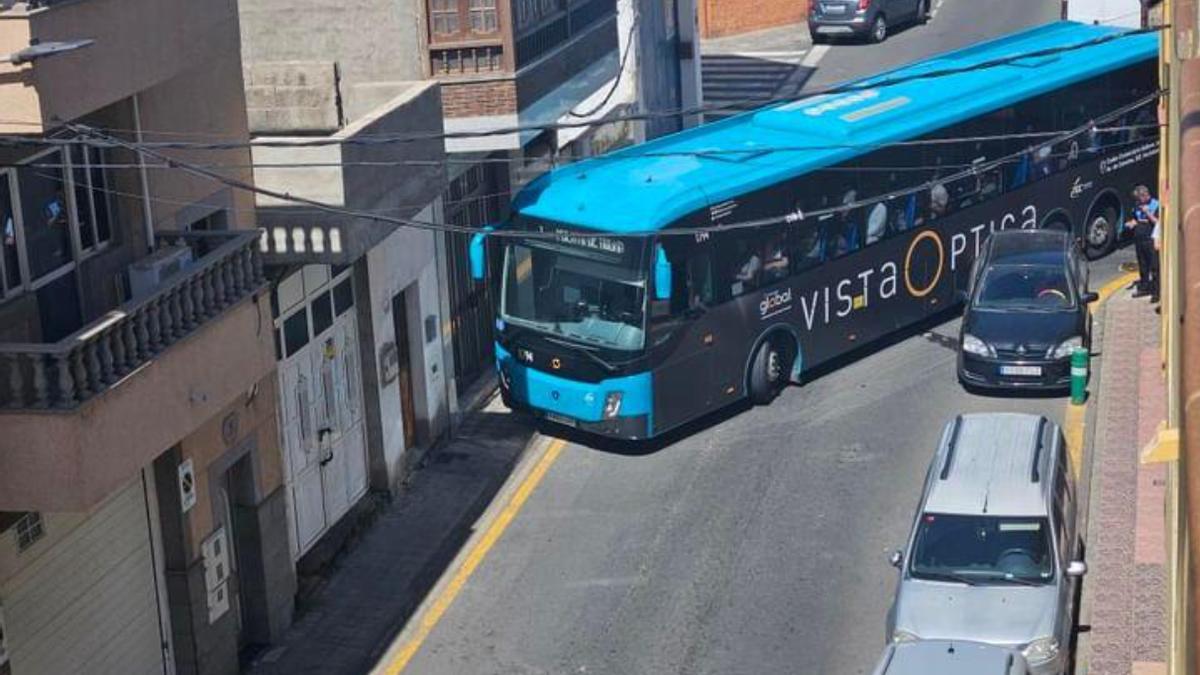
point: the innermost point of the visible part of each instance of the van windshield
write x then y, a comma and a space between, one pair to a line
983, 549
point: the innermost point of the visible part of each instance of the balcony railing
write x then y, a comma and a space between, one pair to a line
62, 375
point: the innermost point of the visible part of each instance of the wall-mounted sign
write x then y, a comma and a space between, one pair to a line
187, 486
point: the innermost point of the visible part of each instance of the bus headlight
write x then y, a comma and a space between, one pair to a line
1041, 650
1064, 350
612, 404
973, 345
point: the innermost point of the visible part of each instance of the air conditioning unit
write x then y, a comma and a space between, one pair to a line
149, 273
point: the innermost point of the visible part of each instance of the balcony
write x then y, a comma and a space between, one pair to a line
137, 45
82, 414
399, 180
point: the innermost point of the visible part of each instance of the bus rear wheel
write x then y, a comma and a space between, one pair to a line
768, 372
1101, 234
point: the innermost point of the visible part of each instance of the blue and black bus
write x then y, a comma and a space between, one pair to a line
645, 288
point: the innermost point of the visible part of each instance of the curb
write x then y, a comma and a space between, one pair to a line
455, 548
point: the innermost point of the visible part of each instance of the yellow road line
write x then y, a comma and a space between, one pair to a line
1076, 416
473, 560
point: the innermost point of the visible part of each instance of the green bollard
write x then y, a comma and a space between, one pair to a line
1079, 375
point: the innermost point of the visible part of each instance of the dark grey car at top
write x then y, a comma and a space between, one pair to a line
1026, 312
870, 19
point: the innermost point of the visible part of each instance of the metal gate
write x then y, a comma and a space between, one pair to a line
473, 199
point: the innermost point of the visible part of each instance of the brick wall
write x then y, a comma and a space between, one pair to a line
477, 98
730, 17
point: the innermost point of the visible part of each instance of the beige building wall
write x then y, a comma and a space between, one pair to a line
254, 415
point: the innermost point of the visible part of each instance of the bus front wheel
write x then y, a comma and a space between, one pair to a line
768, 372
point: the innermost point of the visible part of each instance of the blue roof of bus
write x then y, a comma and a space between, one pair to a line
628, 191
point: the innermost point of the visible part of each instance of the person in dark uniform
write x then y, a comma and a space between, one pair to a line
1143, 222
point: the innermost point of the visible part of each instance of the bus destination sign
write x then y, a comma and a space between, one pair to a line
591, 242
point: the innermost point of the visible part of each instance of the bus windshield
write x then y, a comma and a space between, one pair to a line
581, 295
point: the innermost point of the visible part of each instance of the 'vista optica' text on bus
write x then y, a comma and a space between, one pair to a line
634, 297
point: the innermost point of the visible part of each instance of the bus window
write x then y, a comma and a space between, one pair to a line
691, 274
877, 221
844, 232
806, 251
776, 258
745, 263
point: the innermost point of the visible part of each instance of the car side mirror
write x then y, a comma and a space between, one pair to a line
1090, 297
1076, 568
895, 558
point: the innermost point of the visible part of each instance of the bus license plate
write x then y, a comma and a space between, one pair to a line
1027, 371
559, 419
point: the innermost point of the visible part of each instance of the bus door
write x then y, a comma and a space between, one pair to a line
684, 336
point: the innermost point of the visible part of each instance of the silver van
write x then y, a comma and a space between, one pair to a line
994, 553
949, 657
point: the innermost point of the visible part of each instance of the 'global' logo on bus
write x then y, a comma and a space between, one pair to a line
775, 303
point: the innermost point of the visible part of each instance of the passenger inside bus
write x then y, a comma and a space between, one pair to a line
776, 257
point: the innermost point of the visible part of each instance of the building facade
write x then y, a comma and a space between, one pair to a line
142, 510
719, 18
355, 301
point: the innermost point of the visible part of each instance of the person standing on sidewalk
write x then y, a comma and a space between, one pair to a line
1145, 217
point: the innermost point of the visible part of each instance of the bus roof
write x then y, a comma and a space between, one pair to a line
632, 191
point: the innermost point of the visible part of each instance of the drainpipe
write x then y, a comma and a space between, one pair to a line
147, 213
1187, 312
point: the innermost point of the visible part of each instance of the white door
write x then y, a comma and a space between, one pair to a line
323, 429
86, 597
300, 444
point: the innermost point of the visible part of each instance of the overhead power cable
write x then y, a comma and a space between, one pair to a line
870, 83
974, 170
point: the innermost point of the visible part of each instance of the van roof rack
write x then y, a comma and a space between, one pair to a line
950, 450
1035, 475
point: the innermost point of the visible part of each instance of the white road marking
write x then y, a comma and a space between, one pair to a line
814, 56
933, 12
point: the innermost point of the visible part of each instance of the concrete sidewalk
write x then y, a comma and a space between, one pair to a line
374, 587
1125, 591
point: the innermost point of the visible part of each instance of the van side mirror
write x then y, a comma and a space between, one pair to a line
1090, 297
477, 254
1076, 568
662, 274
895, 558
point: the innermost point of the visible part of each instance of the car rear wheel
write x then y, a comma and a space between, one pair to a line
1101, 234
817, 38
923, 12
879, 30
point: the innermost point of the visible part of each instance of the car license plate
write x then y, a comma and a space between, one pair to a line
833, 9
1028, 371
560, 419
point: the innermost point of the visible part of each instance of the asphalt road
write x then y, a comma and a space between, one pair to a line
757, 543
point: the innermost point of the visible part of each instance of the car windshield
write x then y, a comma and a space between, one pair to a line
584, 295
1035, 287
1029, 287
983, 549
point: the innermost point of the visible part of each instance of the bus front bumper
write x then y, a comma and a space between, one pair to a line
587, 406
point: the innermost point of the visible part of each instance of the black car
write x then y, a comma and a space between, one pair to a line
1026, 312
870, 19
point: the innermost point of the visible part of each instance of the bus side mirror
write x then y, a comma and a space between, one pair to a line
662, 274
476, 253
